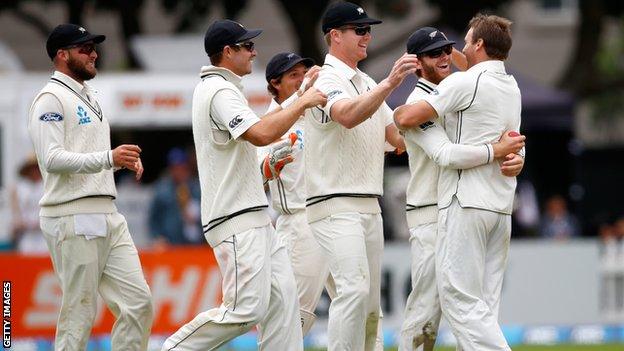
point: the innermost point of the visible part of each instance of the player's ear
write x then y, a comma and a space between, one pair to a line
479, 44
275, 83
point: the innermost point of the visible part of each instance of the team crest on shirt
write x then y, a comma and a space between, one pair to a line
434, 92
51, 117
299, 141
83, 118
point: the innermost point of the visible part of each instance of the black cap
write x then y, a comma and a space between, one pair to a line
226, 32
284, 61
426, 39
342, 13
68, 34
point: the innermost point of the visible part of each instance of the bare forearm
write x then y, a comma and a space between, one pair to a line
352, 112
274, 125
394, 138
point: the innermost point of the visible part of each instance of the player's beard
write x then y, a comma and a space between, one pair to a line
431, 74
79, 69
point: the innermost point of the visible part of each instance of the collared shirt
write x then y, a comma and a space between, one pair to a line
428, 147
344, 83
483, 102
288, 193
229, 109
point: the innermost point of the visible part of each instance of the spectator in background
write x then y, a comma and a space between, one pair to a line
558, 223
174, 213
27, 236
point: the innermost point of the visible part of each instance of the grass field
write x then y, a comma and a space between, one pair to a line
602, 347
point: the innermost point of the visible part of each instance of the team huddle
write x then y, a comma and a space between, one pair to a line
320, 149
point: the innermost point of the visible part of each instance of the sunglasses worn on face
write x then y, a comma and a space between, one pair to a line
85, 49
361, 31
438, 52
248, 45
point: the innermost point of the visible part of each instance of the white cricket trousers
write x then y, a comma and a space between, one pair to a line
308, 261
353, 244
422, 309
109, 265
471, 258
258, 288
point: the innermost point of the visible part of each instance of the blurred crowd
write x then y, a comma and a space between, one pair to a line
174, 211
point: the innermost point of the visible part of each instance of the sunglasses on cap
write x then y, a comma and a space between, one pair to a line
438, 52
248, 45
86, 48
361, 31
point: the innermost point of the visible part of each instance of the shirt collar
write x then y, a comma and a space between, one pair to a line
490, 65
427, 83
342, 67
71, 82
225, 73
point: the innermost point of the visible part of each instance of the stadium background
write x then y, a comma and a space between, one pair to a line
567, 57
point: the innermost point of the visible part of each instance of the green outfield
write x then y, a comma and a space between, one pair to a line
601, 347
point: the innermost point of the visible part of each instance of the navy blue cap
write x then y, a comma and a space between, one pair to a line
283, 62
68, 34
226, 32
342, 13
426, 39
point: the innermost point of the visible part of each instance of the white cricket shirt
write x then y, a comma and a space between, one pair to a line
232, 194
343, 167
478, 105
288, 191
428, 147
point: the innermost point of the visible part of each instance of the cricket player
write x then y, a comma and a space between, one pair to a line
344, 158
285, 73
427, 145
89, 241
474, 219
258, 282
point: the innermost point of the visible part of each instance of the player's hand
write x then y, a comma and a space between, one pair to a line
126, 156
137, 168
280, 154
512, 166
313, 97
510, 143
309, 79
405, 65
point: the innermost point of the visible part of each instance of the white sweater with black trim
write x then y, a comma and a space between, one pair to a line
71, 137
232, 194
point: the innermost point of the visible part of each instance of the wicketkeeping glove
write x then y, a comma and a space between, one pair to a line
280, 154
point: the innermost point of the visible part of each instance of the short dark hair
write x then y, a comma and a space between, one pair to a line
495, 31
270, 86
216, 58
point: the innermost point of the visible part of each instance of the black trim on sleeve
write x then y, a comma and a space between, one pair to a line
488, 154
